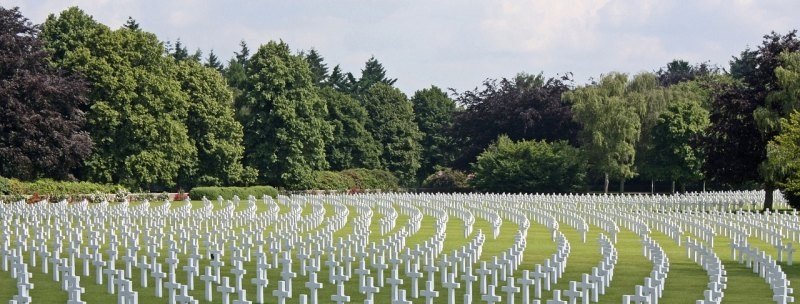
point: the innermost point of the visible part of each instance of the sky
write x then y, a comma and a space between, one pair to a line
459, 44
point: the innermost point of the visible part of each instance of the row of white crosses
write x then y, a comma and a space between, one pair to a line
704, 255
653, 287
181, 234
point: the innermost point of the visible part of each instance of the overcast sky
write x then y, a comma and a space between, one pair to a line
458, 44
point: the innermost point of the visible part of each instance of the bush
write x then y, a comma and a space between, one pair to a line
372, 179
329, 180
5, 188
228, 192
49, 187
447, 179
530, 166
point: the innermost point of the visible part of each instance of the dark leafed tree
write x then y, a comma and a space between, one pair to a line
213, 62
525, 107
747, 110
731, 141
433, 113
319, 70
41, 119
678, 71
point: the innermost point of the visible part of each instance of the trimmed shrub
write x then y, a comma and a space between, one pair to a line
372, 179
330, 180
49, 187
447, 179
228, 192
530, 167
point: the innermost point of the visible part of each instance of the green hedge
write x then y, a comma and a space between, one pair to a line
354, 179
10, 186
447, 179
329, 180
228, 192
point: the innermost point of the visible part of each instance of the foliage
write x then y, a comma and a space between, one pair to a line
351, 145
525, 107
372, 74
213, 62
319, 70
731, 141
784, 153
745, 115
372, 179
5, 187
447, 179
433, 113
611, 125
675, 138
391, 122
285, 130
212, 193
138, 110
41, 107
530, 166
212, 128
678, 71
52, 187
330, 180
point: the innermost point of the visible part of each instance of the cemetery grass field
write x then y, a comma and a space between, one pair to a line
685, 283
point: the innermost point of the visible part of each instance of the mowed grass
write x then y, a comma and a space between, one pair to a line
685, 283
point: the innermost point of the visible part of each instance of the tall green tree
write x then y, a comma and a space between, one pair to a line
213, 128
351, 145
285, 130
137, 111
41, 120
433, 113
611, 126
747, 109
782, 152
675, 152
391, 122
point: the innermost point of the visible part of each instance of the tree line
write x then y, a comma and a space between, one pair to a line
83, 101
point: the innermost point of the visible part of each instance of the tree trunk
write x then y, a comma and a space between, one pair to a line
768, 189
673, 187
704, 186
606, 184
683, 187
652, 186
622, 185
